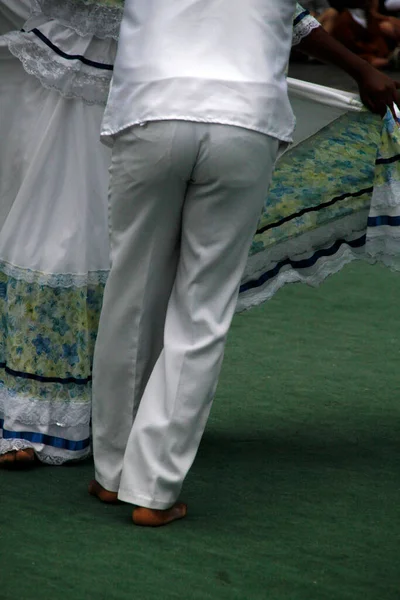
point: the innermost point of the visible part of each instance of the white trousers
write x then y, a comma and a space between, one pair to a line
185, 199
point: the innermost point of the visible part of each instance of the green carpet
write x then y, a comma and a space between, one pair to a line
295, 491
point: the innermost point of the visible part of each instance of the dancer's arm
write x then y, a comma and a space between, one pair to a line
377, 90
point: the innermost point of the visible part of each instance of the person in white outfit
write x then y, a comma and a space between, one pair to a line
197, 112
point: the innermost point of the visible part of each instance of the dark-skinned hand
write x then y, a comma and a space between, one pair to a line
378, 91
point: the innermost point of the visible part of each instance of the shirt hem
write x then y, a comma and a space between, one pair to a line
107, 135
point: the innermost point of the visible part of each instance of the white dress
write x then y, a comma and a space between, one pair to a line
54, 252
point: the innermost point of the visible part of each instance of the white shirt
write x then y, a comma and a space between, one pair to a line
210, 61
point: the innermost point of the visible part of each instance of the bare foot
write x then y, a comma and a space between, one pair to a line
149, 517
7, 459
18, 459
95, 489
25, 456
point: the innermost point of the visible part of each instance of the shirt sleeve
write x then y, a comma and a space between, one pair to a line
303, 24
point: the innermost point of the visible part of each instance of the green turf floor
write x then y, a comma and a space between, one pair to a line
295, 491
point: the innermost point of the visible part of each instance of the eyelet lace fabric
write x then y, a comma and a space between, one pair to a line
33, 415
34, 411
101, 19
72, 79
14, 445
324, 269
303, 29
299, 249
54, 456
384, 249
54, 280
75, 66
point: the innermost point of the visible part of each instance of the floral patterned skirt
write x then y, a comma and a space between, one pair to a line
334, 198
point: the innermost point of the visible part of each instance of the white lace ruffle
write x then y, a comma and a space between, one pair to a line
32, 411
300, 248
46, 454
54, 280
71, 78
70, 83
303, 29
386, 197
10, 445
84, 17
383, 245
18, 412
325, 268
57, 457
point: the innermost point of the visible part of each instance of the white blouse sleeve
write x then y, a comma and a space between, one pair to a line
303, 24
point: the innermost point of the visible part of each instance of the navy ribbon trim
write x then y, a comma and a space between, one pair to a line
387, 161
300, 17
383, 220
43, 379
82, 59
43, 438
300, 264
315, 208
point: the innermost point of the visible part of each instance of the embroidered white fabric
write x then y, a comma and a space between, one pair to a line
10, 445
51, 417
55, 280
325, 268
303, 29
74, 80
46, 454
383, 245
386, 197
84, 17
32, 411
300, 248
56, 456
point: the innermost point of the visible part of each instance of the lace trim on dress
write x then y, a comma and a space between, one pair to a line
84, 17
33, 411
12, 445
302, 248
54, 280
383, 240
55, 457
386, 197
324, 268
46, 454
26, 413
72, 80
384, 247
303, 29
